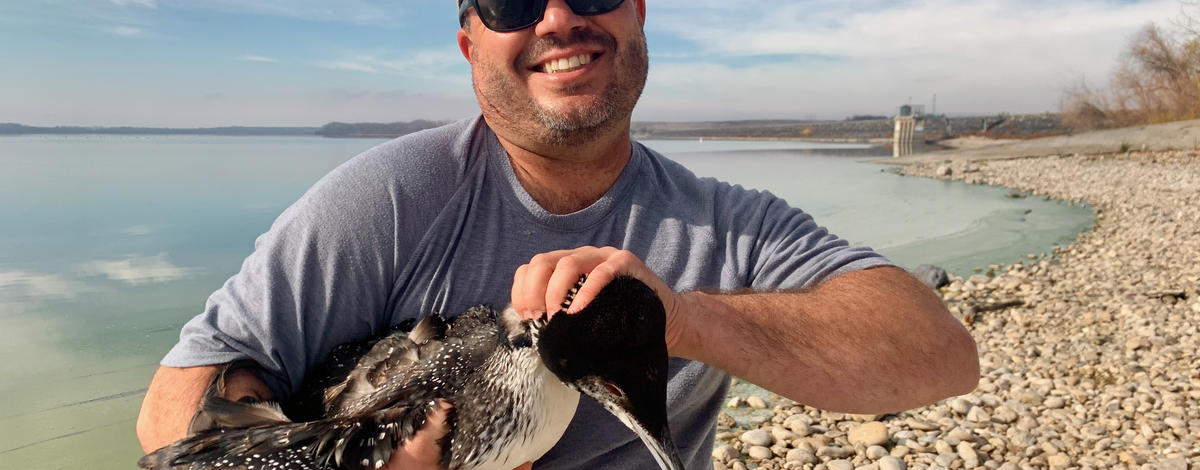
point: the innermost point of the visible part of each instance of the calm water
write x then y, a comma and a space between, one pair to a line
109, 244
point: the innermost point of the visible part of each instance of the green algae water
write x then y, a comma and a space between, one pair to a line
108, 244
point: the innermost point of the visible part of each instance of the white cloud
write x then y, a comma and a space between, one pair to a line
116, 104
343, 11
432, 64
908, 29
144, 3
138, 230
127, 31
257, 58
137, 270
831, 59
348, 65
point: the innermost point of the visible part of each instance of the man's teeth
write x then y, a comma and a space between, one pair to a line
566, 64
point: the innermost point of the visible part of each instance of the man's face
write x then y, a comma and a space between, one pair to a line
564, 80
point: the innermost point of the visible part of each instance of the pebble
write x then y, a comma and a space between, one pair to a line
1059, 461
834, 452
759, 453
967, 453
892, 463
946, 460
756, 437
869, 434
756, 402
783, 435
839, 465
725, 453
802, 456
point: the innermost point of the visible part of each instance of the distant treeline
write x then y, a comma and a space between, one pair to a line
375, 129
333, 129
19, 129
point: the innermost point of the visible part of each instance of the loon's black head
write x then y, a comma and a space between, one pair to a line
614, 350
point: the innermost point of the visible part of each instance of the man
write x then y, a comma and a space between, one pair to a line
513, 207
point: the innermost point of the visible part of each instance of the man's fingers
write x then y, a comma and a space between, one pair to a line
566, 275
525, 466
423, 450
599, 277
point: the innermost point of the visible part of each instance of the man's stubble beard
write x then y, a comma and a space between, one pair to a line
570, 125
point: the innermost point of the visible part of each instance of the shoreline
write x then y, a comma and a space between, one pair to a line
1088, 354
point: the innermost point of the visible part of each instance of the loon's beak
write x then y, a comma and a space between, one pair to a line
660, 444
644, 417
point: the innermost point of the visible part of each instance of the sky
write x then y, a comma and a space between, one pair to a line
202, 63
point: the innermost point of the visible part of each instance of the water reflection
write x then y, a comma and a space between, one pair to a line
137, 269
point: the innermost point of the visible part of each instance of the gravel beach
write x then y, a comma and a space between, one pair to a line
1090, 355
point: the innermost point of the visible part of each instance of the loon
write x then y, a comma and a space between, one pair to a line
514, 385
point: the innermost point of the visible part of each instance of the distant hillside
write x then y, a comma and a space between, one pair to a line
19, 129
856, 128
372, 129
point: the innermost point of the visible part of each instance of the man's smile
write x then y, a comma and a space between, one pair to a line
566, 64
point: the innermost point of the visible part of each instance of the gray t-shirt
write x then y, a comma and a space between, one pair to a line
437, 222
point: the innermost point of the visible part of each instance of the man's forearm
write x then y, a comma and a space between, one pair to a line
174, 395
869, 341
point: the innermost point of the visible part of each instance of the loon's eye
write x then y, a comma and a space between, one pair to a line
614, 390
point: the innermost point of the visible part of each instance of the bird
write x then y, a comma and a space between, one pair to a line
514, 385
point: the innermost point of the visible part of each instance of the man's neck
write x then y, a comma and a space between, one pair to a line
568, 179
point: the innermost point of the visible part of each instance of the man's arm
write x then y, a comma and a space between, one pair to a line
174, 395
868, 341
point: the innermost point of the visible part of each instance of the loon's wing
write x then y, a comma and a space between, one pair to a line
364, 441
389, 359
356, 432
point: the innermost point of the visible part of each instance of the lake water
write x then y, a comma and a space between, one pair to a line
108, 244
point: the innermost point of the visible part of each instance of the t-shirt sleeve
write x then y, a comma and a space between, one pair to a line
319, 277
792, 251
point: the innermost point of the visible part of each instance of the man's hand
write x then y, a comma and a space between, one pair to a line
423, 451
543, 283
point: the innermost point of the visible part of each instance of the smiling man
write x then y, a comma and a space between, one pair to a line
546, 185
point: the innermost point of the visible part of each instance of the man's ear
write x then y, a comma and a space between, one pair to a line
464, 43
641, 11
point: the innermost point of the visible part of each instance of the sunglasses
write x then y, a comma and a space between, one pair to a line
513, 15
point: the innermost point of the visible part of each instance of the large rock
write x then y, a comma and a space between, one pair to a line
802, 456
892, 463
725, 453
759, 453
757, 437
839, 465
869, 434
931, 275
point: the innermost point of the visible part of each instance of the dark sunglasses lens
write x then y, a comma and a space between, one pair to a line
593, 7
509, 15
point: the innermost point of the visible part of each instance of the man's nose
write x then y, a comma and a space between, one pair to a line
559, 19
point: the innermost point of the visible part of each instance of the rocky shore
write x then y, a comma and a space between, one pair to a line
1090, 354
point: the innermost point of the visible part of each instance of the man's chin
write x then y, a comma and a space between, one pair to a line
576, 115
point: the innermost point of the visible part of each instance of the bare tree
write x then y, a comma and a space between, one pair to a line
1156, 79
